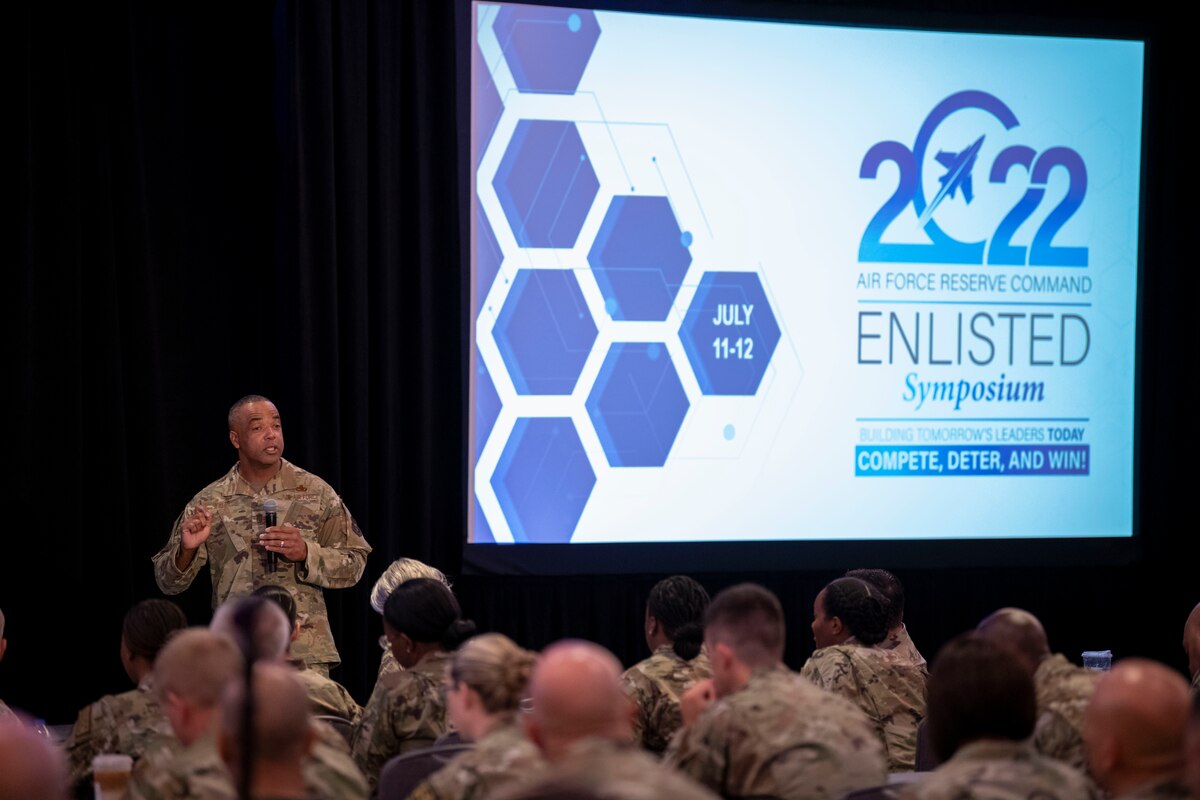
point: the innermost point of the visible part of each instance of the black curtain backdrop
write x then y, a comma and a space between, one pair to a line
218, 199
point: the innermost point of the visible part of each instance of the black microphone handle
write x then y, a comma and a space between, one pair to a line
269, 521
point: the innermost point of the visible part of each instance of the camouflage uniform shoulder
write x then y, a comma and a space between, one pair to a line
1063, 692
407, 711
756, 742
131, 723
502, 757
1001, 771
194, 772
609, 769
655, 686
329, 771
327, 696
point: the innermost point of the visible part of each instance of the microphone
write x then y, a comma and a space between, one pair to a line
269, 510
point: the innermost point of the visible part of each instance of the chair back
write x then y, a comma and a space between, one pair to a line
407, 771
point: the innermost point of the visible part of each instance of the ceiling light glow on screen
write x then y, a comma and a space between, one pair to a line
739, 280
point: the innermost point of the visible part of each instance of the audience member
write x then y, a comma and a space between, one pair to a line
850, 618
674, 625
31, 768
581, 721
1191, 646
132, 722
325, 695
5, 711
1063, 689
190, 675
982, 708
281, 737
485, 682
757, 729
424, 625
1134, 731
400, 570
259, 627
892, 590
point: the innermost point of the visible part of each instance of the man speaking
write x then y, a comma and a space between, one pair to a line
312, 543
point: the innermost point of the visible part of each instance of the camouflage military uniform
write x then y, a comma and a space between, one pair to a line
500, 758
131, 723
996, 770
337, 551
608, 769
886, 686
327, 696
1063, 691
197, 771
1172, 788
902, 645
780, 736
655, 686
407, 711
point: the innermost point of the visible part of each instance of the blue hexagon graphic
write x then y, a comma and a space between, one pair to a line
488, 105
487, 406
543, 480
547, 49
639, 258
488, 258
544, 331
545, 183
729, 333
637, 404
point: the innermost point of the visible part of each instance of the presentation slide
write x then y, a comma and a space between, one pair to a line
739, 280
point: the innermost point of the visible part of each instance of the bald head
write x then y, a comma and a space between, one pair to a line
31, 768
1019, 632
1191, 640
281, 717
1135, 724
576, 693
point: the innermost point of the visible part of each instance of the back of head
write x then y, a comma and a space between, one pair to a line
889, 586
256, 625
1135, 724
149, 624
280, 710
282, 597
401, 571
426, 611
749, 619
31, 768
860, 607
1018, 631
576, 693
197, 665
679, 603
496, 668
978, 690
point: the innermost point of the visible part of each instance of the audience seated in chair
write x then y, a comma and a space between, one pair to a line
981, 714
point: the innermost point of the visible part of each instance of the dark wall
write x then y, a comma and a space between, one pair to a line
219, 199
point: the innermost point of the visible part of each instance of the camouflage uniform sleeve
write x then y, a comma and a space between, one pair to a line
331, 773
90, 737
1055, 737
168, 576
408, 716
638, 688
831, 671
373, 741
700, 751
337, 554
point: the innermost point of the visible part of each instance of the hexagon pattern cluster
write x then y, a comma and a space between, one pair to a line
544, 332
